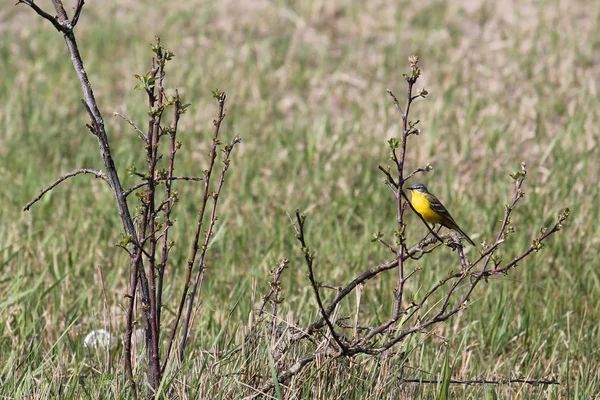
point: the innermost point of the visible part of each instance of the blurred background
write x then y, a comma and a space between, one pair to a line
306, 83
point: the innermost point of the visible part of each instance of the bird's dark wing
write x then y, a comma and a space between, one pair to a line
439, 208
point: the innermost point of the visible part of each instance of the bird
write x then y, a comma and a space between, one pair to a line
432, 210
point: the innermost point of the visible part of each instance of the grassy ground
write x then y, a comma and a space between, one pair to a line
306, 82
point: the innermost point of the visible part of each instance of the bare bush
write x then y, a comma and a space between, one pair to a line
333, 338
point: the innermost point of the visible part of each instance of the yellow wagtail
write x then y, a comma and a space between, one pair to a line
432, 210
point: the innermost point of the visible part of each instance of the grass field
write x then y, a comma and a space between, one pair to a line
306, 84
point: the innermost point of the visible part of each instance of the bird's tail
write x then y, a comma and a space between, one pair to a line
452, 225
467, 238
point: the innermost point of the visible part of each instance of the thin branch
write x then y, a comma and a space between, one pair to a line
416, 171
536, 246
362, 278
93, 127
130, 122
389, 246
148, 224
309, 257
97, 174
161, 179
396, 102
169, 202
207, 237
78, 9
275, 285
59, 27
534, 382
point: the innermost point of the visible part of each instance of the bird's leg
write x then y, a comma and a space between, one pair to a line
429, 232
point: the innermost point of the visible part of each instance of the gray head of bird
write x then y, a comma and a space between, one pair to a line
418, 187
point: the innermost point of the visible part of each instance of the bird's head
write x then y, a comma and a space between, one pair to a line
418, 187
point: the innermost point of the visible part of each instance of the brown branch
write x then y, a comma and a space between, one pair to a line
59, 27
221, 97
536, 246
196, 244
78, 9
148, 224
275, 285
400, 204
308, 258
362, 278
169, 204
97, 174
518, 194
275, 290
416, 171
207, 237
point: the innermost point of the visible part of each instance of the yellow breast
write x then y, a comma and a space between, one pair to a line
421, 204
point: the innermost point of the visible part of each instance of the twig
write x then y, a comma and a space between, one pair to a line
309, 257
536, 246
169, 204
534, 382
396, 102
59, 27
362, 278
130, 122
389, 246
207, 237
97, 174
275, 285
276, 290
148, 224
162, 179
400, 204
518, 194
221, 97
416, 171
78, 9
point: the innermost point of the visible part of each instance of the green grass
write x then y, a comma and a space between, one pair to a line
306, 87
